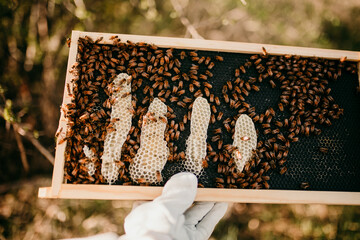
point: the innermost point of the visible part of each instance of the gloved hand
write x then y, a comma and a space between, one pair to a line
172, 216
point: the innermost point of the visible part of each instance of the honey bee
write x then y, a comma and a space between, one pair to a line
182, 55
203, 77
245, 138
61, 141
281, 107
273, 85
141, 180
227, 127
219, 185
219, 58
68, 42
238, 154
217, 101
175, 78
198, 93
181, 104
323, 150
213, 109
181, 155
158, 176
193, 54
281, 137
264, 51
242, 68
207, 72
304, 185
125, 95
207, 91
174, 99
246, 93
185, 76
84, 117
254, 57
207, 61
58, 132
257, 62
195, 59
204, 163
211, 65
343, 59
196, 83
177, 63
181, 92
169, 53
220, 115
219, 180
267, 131
185, 119
256, 88
283, 170
212, 118
177, 135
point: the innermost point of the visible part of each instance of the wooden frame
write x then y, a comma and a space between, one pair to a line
89, 191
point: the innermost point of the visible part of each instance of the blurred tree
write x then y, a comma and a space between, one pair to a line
342, 31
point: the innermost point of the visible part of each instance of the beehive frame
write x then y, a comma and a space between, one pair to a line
59, 189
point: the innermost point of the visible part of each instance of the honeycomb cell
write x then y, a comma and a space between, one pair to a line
121, 119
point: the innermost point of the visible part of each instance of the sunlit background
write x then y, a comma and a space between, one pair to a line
33, 61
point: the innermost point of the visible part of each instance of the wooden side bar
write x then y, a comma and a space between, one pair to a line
58, 173
86, 191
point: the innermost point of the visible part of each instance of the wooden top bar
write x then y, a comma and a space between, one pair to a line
226, 46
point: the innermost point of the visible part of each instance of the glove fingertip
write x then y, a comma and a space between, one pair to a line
183, 180
185, 176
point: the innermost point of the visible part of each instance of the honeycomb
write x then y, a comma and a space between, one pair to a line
121, 117
153, 152
196, 143
336, 170
89, 164
245, 140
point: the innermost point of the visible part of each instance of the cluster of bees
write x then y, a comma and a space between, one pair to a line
304, 105
177, 77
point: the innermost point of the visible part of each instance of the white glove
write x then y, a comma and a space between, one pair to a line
169, 216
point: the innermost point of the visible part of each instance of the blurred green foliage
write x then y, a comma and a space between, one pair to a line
33, 56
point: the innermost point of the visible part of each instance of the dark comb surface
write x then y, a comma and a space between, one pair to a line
336, 170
